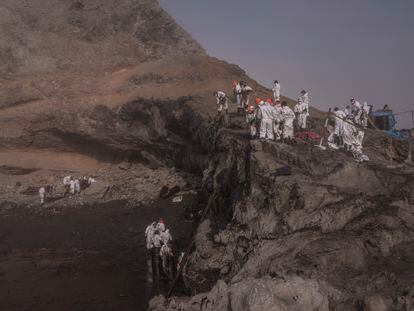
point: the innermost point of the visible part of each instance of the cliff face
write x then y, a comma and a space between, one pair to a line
91, 84
325, 234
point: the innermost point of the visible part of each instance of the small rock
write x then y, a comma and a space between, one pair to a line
225, 270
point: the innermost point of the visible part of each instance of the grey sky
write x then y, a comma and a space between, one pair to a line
335, 49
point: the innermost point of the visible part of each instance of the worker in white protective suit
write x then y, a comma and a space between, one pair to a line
302, 110
166, 255
347, 111
42, 194
251, 120
276, 91
238, 94
149, 234
340, 117
288, 117
267, 116
72, 186
349, 130
357, 111
156, 240
77, 186
246, 91
278, 120
222, 101
161, 225
66, 184
166, 236
365, 114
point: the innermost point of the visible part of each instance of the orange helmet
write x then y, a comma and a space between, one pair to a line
257, 100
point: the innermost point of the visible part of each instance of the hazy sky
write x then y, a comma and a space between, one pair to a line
335, 49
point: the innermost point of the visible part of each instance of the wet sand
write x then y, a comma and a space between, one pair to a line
86, 258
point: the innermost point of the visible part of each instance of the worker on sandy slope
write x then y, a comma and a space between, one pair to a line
166, 255
302, 109
251, 119
276, 91
66, 184
149, 234
222, 101
267, 116
356, 110
42, 194
72, 186
237, 89
245, 92
340, 118
77, 186
277, 107
288, 117
166, 236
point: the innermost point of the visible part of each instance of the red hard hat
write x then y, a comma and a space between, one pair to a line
234, 82
269, 100
250, 109
257, 100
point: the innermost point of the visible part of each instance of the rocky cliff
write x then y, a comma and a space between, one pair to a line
117, 90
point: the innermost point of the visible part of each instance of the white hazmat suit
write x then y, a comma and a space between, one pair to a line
268, 116
42, 193
222, 102
278, 120
276, 91
302, 109
288, 117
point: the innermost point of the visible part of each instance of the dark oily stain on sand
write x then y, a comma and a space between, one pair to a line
86, 258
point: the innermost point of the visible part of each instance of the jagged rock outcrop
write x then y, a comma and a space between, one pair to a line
333, 235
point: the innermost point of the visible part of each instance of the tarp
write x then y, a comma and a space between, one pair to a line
384, 120
307, 135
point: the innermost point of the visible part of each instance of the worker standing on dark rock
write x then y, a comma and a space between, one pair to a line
278, 120
155, 252
245, 92
222, 102
166, 236
340, 116
149, 233
288, 117
302, 109
267, 116
161, 225
167, 255
238, 95
251, 119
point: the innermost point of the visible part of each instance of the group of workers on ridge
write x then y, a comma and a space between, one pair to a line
273, 119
